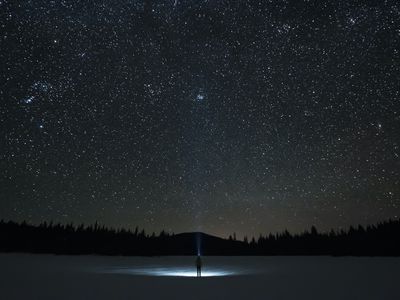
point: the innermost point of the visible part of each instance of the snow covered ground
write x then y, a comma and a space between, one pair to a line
25, 276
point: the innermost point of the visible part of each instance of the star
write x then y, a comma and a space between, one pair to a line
200, 97
29, 99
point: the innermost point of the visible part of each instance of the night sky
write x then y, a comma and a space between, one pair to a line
220, 116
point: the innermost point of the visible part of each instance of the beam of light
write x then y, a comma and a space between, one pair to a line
175, 272
198, 244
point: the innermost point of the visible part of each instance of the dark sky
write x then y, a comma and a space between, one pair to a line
220, 116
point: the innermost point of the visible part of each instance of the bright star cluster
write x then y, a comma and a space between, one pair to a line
221, 116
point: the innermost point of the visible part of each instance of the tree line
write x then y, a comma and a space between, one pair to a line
382, 239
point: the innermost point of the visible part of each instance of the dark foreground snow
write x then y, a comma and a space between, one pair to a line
24, 276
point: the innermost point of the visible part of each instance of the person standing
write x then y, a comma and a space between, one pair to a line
198, 265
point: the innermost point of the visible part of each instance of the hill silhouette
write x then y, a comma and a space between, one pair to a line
206, 244
382, 239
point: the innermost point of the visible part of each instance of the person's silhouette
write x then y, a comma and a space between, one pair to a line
198, 265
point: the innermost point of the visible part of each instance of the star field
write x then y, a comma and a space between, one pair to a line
220, 116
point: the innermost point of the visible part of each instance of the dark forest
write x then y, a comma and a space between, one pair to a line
374, 240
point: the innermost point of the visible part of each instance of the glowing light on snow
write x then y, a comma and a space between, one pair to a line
175, 272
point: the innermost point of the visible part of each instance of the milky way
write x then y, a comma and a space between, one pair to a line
221, 116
